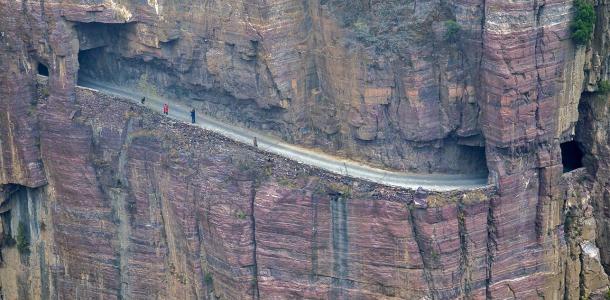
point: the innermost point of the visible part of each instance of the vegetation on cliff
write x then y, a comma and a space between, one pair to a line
23, 242
394, 26
603, 87
382, 25
453, 28
584, 20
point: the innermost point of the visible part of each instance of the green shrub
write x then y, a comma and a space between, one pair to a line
434, 256
603, 87
23, 242
342, 189
380, 25
584, 20
452, 30
288, 183
608, 294
208, 278
240, 215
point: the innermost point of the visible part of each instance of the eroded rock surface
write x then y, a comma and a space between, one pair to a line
169, 210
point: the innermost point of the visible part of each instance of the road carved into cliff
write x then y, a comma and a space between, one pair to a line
181, 111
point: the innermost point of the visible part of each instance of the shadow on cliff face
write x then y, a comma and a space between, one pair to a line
571, 156
223, 87
96, 40
475, 160
90, 62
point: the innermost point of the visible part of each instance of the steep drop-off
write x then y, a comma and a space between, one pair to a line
139, 206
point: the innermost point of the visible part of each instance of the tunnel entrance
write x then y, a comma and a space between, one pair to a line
43, 70
99, 45
91, 64
571, 156
475, 159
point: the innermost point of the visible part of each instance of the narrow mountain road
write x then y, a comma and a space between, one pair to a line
181, 111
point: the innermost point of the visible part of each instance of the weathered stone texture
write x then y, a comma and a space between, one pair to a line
293, 68
19, 151
593, 133
166, 209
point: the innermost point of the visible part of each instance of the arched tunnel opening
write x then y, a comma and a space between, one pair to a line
89, 65
98, 45
571, 156
42, 69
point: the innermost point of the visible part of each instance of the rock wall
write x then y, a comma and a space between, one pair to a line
297, 69
139, 206
117, 202
520, 77
593, 134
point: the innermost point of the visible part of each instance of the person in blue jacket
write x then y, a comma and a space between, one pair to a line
193, 115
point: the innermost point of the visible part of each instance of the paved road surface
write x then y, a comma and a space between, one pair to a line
180, 111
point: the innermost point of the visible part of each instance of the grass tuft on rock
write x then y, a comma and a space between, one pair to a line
23, 242
452, 30
208, 278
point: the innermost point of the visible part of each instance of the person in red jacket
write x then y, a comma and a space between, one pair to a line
165, 108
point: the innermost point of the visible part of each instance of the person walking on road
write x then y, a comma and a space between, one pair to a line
193, 115
143, 99
165, 108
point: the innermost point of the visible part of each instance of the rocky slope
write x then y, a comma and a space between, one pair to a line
103, 199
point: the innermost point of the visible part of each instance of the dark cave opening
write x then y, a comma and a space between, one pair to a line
571, 156
88, 61
42, 69
97, 43
476, 160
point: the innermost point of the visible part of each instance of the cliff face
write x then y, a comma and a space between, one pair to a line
102, 198
137, 206
298, 69
378, 81
593, 129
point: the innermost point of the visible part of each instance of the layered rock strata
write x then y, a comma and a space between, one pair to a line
139, 206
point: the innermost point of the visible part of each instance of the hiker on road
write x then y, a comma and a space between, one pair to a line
165, 108
193, 115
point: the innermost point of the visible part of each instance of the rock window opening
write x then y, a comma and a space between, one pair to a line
571, 156
43, 70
